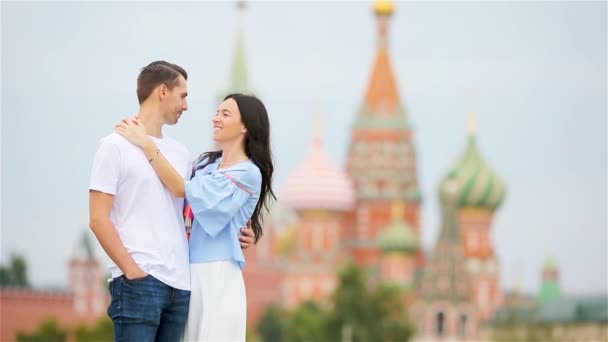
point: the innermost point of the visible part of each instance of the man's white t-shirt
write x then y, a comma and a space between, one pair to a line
147, 216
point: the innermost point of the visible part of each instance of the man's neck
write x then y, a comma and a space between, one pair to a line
152, 120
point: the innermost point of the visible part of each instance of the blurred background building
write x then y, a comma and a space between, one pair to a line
369, 214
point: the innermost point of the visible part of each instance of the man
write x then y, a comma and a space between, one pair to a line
139, 223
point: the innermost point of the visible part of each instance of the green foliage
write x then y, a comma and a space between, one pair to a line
15, 274
354, 313
101, 332
49, 331
271, 326
307, 323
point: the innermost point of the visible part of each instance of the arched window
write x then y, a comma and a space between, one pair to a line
463, 326
440, 324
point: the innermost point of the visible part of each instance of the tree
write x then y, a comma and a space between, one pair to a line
307, 323
14, 275
271, 326
355, 313
49, 331
350, 306
387, 304
361, 314
5, 276
19, 268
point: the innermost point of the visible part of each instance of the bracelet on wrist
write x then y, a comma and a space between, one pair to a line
155, 155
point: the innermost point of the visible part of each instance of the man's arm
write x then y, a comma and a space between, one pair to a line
100, 205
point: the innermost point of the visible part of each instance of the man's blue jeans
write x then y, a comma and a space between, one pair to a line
147, 310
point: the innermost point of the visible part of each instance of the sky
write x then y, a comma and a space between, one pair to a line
535, 72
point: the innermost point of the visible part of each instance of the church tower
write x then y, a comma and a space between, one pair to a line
381, 156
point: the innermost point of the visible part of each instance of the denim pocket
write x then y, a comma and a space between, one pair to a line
142, 299
115, 297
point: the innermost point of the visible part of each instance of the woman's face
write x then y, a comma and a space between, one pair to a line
227, 124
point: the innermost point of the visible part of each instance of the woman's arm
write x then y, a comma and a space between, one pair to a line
216, 198
135, 132
165, 171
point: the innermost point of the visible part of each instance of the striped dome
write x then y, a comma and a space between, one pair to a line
318, 182
472, 182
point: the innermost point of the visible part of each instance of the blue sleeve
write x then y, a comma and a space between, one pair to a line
215, 198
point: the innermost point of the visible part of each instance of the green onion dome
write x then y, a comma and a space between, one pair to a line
477, 185
399, 235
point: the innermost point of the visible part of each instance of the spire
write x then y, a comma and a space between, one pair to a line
550, 289
84, 248
238, 74
449, 232
317, 131
472, 124
517, 287
383, 9
398, 210
382, 96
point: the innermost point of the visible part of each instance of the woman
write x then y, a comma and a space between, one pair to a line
228, 188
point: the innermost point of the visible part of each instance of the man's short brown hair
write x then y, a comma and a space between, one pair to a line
155, 74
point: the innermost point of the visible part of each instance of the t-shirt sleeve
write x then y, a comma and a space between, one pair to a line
189, 171
105, 173
215, 198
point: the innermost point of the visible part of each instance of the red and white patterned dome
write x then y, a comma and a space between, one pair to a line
318, 182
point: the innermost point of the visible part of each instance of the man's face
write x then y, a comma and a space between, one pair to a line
174, 101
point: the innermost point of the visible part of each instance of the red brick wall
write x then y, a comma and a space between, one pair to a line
25, 310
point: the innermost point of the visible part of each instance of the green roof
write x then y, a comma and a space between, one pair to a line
549, 291
560, 310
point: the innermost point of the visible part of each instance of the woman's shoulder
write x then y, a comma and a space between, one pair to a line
205, 160
252, 169
247, 172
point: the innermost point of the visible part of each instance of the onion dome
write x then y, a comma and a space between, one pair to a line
318, 182
474, 182
398, 236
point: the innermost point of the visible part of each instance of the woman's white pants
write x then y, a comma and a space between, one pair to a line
218, 303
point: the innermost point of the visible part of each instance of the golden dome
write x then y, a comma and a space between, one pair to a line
384, 7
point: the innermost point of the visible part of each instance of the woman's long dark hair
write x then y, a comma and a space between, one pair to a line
257, 148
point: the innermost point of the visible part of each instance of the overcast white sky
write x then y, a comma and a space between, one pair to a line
538, 69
